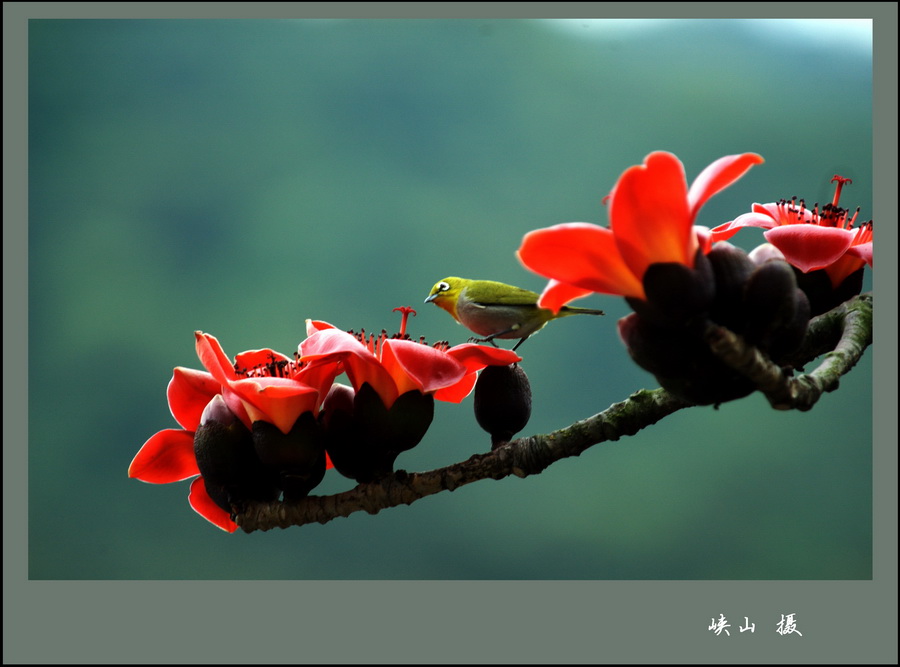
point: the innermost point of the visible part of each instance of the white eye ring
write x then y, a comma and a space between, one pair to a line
443, 287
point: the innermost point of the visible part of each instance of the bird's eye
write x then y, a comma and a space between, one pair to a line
443, 287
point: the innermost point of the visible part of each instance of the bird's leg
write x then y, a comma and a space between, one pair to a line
521, 340
490, 339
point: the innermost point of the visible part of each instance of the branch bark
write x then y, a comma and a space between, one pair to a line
842, 335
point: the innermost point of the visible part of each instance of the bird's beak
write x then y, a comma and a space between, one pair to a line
431, 297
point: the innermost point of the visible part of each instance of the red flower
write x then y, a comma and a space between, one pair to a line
265, 385
810, 239
168, 456
262, 385
651, 213
395, 383
394, 366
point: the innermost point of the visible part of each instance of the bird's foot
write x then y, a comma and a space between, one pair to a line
489, 339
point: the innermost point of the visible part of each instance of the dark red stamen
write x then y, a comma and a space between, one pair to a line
273, 368
829, 215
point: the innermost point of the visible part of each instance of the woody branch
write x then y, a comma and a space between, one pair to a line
842, 335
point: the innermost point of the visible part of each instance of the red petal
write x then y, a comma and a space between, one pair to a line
726, 231
704, 238
783, 214
168, 456
475, 357
213, 357
557, 294
457, 392
810, 247
205, 507
189, 391
361, 366
320, 376
863, 251
313, 326
416, 366
327, 342
581, 255
649, 214
839, 270
278, 401
237, 405
718, 176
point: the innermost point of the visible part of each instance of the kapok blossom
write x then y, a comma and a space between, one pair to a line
395, 365
810, 239
395, 382
651, 212
260, 385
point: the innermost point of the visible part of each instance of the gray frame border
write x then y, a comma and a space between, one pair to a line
440, 622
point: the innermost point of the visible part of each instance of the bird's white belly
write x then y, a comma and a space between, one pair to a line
494, 319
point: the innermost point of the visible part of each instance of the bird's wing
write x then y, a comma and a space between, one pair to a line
513, 296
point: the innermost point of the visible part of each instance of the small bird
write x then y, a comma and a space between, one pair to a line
496, 310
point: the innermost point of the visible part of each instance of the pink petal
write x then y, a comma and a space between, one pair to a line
727, 230
168, 456
810, 247
785, 214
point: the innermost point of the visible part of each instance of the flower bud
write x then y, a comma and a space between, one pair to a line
676, 294
764, 253
770, 303
364, 438
298, 456
227, 460
823, 296
789, 338
731, 267
681, 361
502, 402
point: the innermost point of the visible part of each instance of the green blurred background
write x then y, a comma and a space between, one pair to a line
240, 176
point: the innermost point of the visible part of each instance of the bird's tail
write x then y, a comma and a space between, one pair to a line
575, 310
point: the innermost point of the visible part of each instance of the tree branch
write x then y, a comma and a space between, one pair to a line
842, 334
521, 457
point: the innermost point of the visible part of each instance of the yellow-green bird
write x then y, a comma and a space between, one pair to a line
496, 310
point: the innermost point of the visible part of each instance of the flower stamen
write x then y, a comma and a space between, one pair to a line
830, 215
837, 190
405, 313
275, 367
